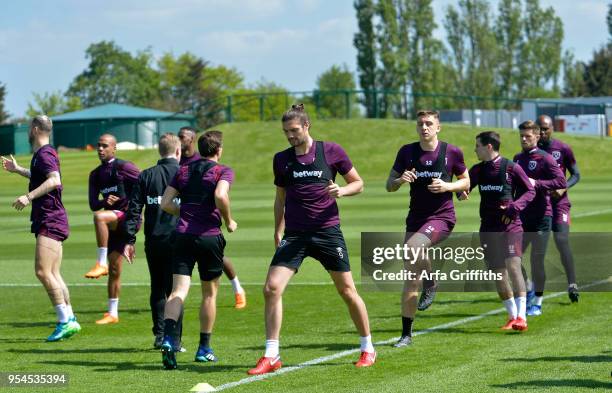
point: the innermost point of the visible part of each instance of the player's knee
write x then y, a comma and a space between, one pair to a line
97, 217
561, 238
348, 293
209, 293
41, 274
271, 290
113, 271
177, 295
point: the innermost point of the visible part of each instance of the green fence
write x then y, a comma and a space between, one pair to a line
14, 139
345, 104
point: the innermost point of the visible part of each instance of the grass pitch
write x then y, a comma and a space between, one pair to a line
567, 349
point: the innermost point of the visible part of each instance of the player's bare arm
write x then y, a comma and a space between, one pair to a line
222, 202
279, 215
167, 203
52, 183
11, 166
462, 183
396, 179
354, 185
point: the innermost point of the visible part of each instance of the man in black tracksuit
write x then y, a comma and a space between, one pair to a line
159, 227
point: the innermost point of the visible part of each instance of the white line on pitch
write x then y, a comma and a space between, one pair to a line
337, 355
593, 213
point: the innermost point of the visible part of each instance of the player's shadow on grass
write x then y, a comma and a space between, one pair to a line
472, 330
444, 330
575, 358
188, 366
424, 314
26, 324
548, 383
126, 311
21, 340
56, 350
326, 346
464, 301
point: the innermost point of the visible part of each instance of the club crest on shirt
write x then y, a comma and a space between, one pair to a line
556, 154
532, 165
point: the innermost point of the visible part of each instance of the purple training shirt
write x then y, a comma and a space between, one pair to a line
540, 166
201, 219
47, 210
308, 207
491, 208
101, 182
564, 156
425, 205
188, 160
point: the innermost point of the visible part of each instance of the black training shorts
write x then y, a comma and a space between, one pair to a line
325, 245
206, 250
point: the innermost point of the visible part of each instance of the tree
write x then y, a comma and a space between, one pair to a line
263, 101
474, 50
508, 32
592, 78
609, 20
116, 76
364, 42
393, 74
540, 51
598, 72
573, 77
3, 114
426, 71
189, 83
52, 104
334, 95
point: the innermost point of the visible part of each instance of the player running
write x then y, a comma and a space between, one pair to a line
428, 166
203, 188
563, 154
49, 221
307, 223
114, 179
499, 181
545, 176
187, 135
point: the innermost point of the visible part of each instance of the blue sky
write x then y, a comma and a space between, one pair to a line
42, 43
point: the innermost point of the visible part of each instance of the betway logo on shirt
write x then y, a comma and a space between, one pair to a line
490, 187
108, 190
307, 174
428, 174
156, 200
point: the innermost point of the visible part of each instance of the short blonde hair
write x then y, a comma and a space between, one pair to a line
168, 143
43, 122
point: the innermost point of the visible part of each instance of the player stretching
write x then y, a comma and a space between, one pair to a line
428, 166
114, 179
546, 176
187, 135
307, 223
49, 221
203, 188
559, 199
501, 232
